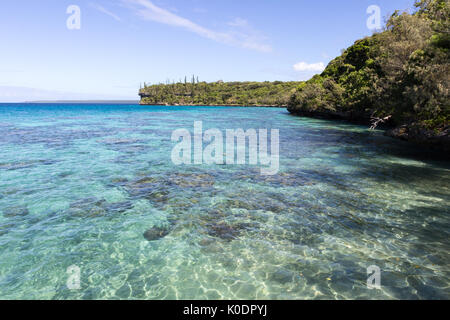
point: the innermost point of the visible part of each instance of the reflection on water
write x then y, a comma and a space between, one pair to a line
93, 186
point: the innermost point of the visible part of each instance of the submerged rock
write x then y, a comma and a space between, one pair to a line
5, 228
205, 242
87, 202
157, 196
119, 207
156, 233
149, 188
93, 207
287, 179
25, 164
144, 181
11, 212
65, 174
179, 205
192, 180
89, 207
223, 231
17, 165
118, 182
113, 141
282, 276
251, 202
124, 291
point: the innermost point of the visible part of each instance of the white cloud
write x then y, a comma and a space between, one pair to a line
304, 66
146, 10
105, 11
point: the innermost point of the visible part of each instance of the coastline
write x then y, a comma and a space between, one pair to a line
210, 105
411, 133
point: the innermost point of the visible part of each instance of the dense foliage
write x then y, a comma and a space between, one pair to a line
400, 74
219, 93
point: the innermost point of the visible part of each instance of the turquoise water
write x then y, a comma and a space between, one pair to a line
81, 184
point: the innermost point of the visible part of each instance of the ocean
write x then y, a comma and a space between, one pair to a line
92, 206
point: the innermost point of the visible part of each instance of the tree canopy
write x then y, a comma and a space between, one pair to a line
219, 93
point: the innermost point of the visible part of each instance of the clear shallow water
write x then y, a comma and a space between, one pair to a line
80, 184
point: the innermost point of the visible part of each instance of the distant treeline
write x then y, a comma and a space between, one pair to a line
194, 92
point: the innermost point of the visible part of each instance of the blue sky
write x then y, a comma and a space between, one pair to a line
122, 43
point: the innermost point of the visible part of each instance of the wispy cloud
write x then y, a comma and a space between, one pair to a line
238, 22
304, 66
105, 11
146, 10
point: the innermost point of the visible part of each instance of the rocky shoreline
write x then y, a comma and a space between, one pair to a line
412, 133
424, 137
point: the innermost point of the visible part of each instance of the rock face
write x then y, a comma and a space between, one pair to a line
352, 116
416, 134
408, 132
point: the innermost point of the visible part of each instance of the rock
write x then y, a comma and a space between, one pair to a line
206, 242
156, 233
238, 204
179, 205
87, 202
124, 291
223, 231
17, 165
283, 178
417, 134
158, 196
282, 276
25, 164
88, 207
192, 180
119, 207
64, 174
149, 188
144, 181
113, 141
5, 228
12, 212
119, 181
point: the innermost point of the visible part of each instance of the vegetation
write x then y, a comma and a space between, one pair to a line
400, 75
219, 93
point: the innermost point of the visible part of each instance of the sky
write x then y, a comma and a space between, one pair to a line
105, 49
